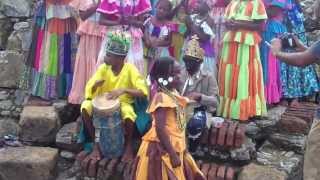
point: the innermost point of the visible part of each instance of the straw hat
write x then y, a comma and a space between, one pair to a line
104, 106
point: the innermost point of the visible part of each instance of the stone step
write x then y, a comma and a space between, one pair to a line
39, 124
66, 137
34, 163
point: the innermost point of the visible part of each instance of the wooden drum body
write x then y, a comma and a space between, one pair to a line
108, 125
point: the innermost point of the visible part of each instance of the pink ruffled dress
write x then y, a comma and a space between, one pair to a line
91, 36
117, 8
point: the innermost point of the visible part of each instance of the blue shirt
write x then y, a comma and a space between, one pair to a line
315, 49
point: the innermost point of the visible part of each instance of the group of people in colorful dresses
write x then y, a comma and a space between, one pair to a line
144, 48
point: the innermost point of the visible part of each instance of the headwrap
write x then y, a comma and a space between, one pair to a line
278, 3
193, 49
118, 43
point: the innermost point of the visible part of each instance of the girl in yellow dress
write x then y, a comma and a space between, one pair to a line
163, 153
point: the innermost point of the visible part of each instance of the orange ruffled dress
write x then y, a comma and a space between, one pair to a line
153, 162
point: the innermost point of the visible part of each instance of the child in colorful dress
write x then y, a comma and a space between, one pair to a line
163, 152
240, 81
127, 15
198, 25
297, 82
120, 80
91, 36
271, 66
52, 57
157, 34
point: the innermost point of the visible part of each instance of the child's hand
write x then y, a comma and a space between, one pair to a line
195, 96
175, 160
97, 84
115, 94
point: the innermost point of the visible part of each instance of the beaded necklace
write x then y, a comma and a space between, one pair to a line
180, 112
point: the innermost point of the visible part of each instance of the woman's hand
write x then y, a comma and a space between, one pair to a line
300, 46
276, 46
175, 160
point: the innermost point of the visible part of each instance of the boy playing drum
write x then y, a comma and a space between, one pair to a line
120, 80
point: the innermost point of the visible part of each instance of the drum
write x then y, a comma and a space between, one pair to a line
108, 126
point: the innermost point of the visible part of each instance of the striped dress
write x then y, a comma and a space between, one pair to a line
240, 77
49, 67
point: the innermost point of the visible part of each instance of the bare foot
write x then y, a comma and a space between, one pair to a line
295, 103
284, 103
128, 155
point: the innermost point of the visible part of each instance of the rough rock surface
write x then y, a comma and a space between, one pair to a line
11, 102
66, 137
11, 66
257, 172
16, 8
39, 124
6, 28
8, 126
20, 38
287, 161
34, 163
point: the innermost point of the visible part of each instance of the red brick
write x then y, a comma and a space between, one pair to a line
213, 136
240, 135
93, 168
293, 124
231, 134
221, 173
308, 117
212, 175
230, 174
205, 137
111, 167
205, 169
222, 134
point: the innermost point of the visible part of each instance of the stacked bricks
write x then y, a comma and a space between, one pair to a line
230, 135
216, 172
298, 120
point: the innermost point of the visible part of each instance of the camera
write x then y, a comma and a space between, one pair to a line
288, 41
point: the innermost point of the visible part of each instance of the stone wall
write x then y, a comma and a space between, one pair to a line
15, 39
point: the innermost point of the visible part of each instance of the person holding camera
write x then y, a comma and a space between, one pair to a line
305, 56
297, 82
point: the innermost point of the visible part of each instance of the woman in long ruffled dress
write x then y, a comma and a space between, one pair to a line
271, 66
91, 36
128, 15
241, 84
49, 68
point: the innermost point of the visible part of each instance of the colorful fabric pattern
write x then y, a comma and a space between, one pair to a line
51, 63
240, 73
114, 9
297, 82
